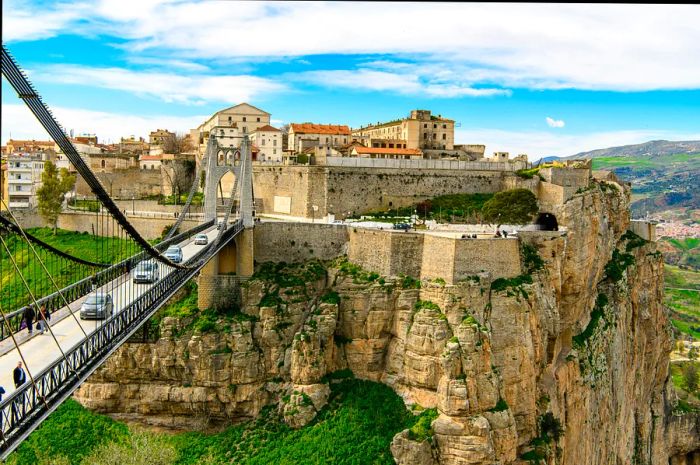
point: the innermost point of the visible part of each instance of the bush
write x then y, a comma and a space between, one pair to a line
426, 304
422, 429
331, 297
617, 265
515, 206
531, 258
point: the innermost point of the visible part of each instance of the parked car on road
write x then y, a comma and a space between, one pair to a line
98, 305
174, 253
402, 226
146, 272
201, 239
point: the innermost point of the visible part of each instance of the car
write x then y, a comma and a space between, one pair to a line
98, 305
403, 226
146, 272
201, 239
174, 253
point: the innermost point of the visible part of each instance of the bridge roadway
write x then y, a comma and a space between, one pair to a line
41, 351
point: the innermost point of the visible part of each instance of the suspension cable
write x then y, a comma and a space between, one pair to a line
60, 293
36, 304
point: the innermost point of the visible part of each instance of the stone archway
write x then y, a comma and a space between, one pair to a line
547, 222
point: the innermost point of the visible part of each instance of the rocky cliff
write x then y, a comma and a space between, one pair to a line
566, 363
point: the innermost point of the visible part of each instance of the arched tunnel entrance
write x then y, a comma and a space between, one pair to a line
547, 222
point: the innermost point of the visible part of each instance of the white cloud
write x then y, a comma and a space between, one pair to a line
537, 144
554, 123
613, 47
188, 89
19, 123
407, 83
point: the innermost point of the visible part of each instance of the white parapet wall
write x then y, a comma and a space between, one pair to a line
426, 164
644, 229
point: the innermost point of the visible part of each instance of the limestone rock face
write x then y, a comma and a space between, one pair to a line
408, 452
569, 339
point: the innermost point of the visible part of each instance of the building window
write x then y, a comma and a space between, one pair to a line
425, 135
245, 129
274, 142
103, 163
444, 136
434, 126
444, 126
258, 120
229, 119
274, 151
244, 119
425, 126
434, 136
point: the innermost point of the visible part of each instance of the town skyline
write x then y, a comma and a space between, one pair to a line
549, 80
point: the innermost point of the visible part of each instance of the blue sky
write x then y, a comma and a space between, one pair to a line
527, 78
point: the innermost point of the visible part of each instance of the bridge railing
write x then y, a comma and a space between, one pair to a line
25, 408
81, 288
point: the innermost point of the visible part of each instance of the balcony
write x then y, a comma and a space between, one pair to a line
19, 204
20, 181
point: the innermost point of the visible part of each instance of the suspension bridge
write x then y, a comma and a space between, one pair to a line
36, 274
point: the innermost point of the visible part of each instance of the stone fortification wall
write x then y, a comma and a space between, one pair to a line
298, 242
644, 229
125, 183
153, 206
388, 252
293, 190
427, 164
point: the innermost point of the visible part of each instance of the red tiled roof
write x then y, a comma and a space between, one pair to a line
267, 127
370, 150
150, 157
310, 128
31, 142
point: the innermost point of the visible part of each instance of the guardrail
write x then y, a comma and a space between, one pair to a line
31, 403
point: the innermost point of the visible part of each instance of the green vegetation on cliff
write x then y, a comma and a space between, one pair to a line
356, 427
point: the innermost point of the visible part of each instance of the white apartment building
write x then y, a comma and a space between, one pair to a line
268, 141
24, 179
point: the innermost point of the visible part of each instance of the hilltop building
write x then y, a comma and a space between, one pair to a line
229, 126
420, 130
28, 147
309, 135
160, 136
268, 141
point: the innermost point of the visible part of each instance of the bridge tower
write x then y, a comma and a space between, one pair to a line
235, 261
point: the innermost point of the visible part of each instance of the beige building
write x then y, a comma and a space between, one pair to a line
268, 141
133, 145
229, 126
421, 130
307, 135
159, 136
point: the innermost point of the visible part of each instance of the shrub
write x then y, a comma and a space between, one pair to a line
331, 297
426, 304
596, 314
531, 258
500, 406
617, 265
422, 429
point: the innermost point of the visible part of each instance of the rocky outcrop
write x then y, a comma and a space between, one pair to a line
566, 363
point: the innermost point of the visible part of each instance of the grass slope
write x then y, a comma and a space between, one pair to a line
355, 428
682, 296
13, 293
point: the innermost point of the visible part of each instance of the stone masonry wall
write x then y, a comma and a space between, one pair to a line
125, 183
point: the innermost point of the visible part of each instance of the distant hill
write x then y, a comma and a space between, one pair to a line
663, 173
652, 148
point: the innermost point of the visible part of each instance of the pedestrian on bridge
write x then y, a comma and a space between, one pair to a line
29, 315
19, 375
44, 318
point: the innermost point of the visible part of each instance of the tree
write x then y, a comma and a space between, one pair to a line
515, 206
690, 376
55, 186
693, 353
177, 144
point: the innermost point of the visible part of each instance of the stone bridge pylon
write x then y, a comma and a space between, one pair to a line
235, 261
220, 161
